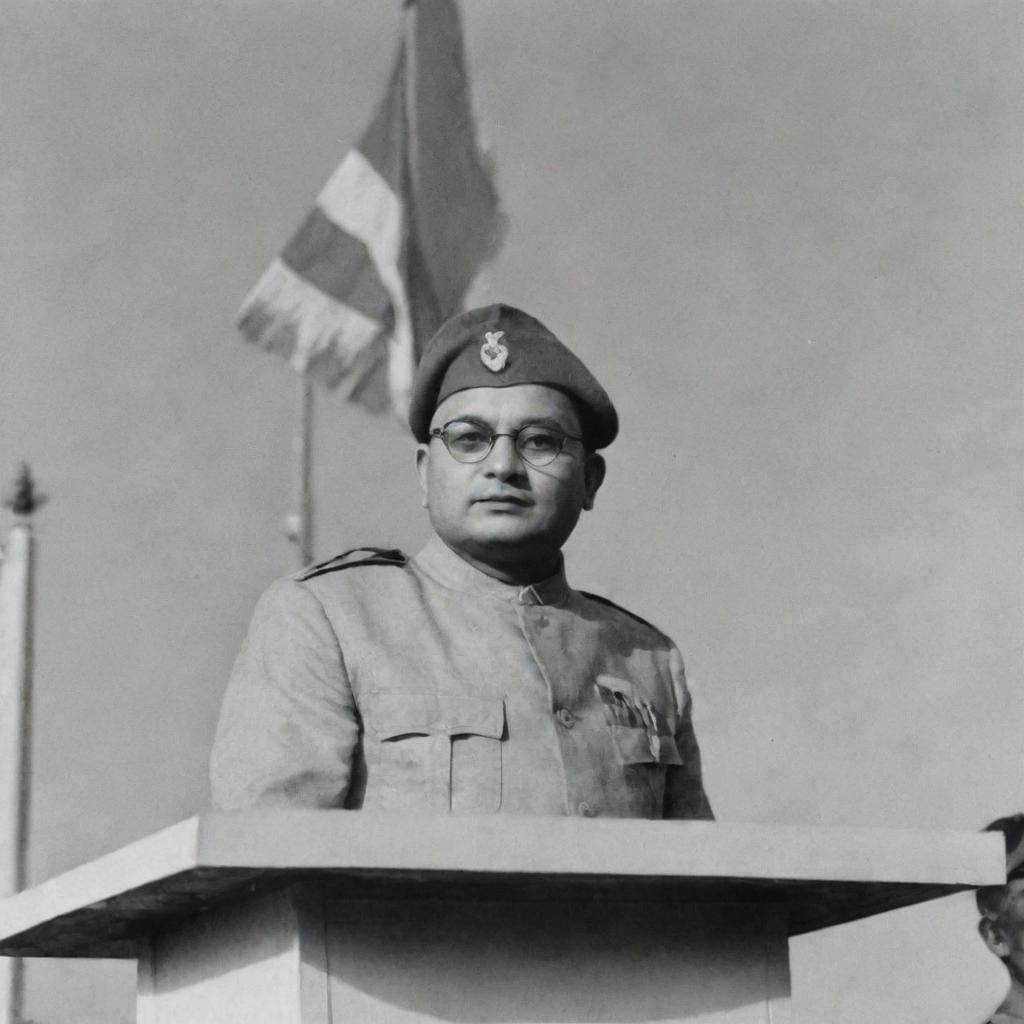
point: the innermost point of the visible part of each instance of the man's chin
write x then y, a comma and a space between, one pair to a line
518, 532
507, 554
507, 537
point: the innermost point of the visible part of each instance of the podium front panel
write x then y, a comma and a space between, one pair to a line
295, 958
478, 962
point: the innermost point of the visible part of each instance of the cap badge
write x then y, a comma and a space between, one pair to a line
493, 354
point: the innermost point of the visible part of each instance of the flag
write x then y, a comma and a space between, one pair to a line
395, 237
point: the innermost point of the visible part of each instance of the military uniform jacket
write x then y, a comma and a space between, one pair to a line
430, 687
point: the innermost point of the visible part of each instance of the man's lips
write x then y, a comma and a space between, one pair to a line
503, 499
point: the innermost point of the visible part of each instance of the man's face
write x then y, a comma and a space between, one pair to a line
1003, 931
502, 509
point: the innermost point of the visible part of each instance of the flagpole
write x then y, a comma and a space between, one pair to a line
402, 359
300, 522
409, 14
17, 596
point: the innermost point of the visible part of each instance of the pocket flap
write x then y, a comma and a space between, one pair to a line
394, 714
635, 747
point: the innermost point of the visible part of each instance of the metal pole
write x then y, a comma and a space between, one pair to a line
300, 522
17, 597
409, 16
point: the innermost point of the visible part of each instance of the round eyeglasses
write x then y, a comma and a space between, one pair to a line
471, 442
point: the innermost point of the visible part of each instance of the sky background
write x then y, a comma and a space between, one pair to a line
787, 236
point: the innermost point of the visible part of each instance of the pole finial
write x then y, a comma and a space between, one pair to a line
21, 497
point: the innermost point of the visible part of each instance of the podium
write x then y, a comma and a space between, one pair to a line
347, 917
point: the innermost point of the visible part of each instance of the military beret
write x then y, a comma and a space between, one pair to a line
498, 347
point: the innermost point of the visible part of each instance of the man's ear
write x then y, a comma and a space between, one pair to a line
422, 465
593, 476
992, 936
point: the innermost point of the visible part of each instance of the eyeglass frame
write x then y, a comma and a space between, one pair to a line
441, 432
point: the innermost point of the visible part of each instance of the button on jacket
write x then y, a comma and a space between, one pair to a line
431, 687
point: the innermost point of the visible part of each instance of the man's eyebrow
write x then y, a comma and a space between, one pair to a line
543, 421
547, 421
478, 421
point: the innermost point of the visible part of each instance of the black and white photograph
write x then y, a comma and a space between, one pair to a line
512, 513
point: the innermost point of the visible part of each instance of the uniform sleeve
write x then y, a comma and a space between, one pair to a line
684, 786
288, 726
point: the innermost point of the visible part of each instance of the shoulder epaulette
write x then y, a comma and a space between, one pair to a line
618, 607
353, 559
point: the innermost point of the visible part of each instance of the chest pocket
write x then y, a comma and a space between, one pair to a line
433, 753
641, 733
643, 746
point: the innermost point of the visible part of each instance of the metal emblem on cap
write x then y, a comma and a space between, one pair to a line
493, 354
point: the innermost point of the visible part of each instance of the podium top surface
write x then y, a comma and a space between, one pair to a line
824, 876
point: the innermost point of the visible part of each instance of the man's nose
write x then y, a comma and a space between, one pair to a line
504, 460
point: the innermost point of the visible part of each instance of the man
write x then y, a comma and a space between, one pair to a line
1002, 918
470, 679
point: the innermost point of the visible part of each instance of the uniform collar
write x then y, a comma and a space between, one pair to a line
444, 566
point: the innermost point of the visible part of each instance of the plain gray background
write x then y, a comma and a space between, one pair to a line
786, 235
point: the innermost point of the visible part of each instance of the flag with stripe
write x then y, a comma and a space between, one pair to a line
396, 235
